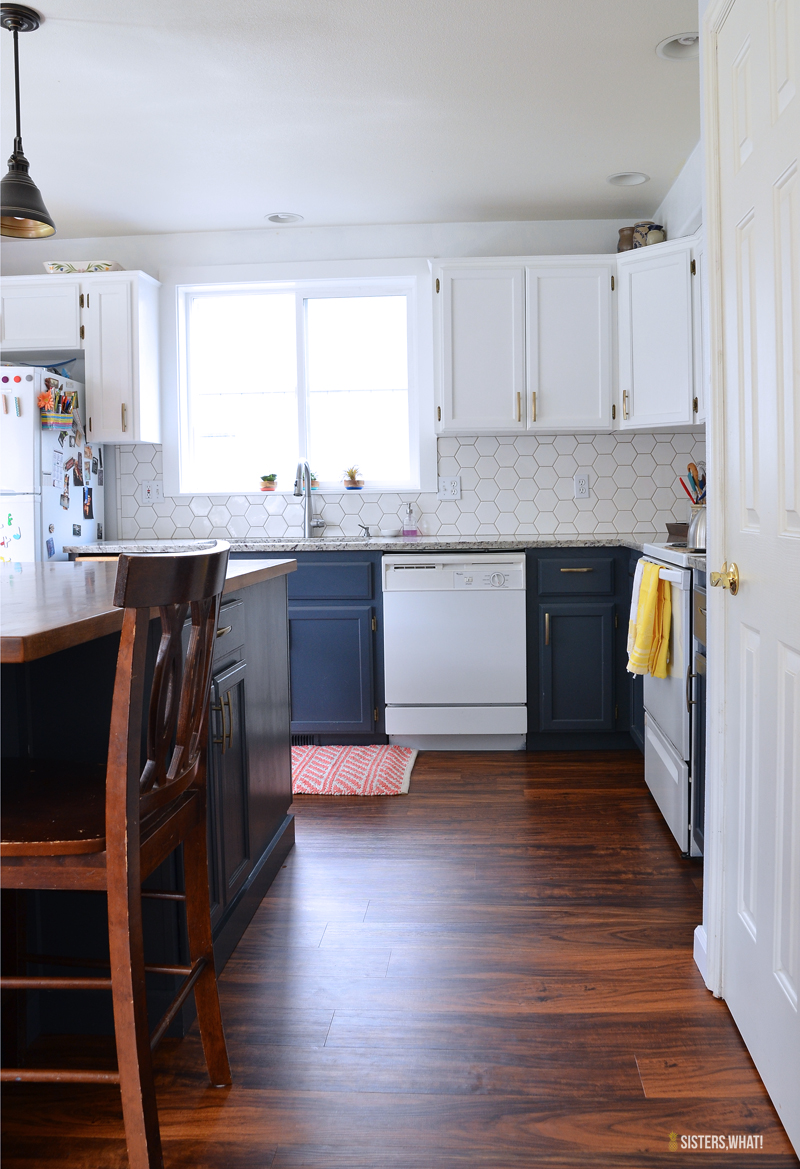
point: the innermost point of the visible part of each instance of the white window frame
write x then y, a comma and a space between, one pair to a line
410, 278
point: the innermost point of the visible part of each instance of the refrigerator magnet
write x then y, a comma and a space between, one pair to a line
51, 547
76, 529
88, 510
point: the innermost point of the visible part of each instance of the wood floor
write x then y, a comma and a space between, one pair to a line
493, 972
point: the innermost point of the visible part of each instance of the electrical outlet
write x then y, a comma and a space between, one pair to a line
581, 482
152, 491
450, 488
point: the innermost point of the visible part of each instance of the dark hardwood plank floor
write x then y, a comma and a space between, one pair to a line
493, 972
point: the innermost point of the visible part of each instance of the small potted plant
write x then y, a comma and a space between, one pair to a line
314, 482
269, 482
351, 479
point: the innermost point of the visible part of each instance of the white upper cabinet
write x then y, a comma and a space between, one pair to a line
480, 348
656, 360
40, 312
113, 318
702, 346
569, 343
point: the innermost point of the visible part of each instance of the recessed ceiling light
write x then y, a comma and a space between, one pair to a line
628, 178
284, 217
683, 46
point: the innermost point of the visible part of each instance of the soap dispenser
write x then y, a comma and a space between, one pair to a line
410, 525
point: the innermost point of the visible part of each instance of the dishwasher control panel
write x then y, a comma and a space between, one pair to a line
478, 578
454, 573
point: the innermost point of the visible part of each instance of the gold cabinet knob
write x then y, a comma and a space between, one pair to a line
727, 578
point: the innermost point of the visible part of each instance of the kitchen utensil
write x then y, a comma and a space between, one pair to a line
693, 471
686, 489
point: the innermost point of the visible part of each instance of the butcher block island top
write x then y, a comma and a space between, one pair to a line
50, 607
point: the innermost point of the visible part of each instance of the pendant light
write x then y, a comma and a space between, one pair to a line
23, 214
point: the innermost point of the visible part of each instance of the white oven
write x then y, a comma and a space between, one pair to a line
668, 704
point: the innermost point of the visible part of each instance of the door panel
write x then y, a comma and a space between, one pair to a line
576, 667
753, 838
568, 315
482, 350
229, 742
330, 648
41, 316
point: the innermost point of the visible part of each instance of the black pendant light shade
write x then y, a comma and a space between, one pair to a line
23, 214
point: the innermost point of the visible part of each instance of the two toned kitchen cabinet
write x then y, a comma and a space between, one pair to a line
570, 343
109, 317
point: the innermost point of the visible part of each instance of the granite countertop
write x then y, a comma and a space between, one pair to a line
345, 543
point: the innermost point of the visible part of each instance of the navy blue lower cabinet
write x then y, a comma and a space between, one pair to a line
576, 666
330, 650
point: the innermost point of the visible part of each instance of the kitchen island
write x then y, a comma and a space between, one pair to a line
60, 636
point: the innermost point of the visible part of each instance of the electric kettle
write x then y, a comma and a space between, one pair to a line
696, 536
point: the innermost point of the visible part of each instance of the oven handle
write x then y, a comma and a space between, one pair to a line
690, 702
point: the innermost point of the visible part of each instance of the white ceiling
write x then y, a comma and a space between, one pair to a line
189, 115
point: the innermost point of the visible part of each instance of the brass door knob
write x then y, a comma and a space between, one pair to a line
727, 578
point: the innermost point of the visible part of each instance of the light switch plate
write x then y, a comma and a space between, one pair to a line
449, 488
152, 491
581, 482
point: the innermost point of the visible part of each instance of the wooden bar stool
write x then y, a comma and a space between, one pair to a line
69, 826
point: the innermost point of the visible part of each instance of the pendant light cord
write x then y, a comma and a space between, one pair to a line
15, 34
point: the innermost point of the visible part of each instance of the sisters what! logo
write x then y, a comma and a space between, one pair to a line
731, 1142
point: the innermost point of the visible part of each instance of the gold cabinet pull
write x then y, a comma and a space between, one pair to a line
577, 570
547, 629
533, 406
225, 629
727, 578
227, 702
519, 406
220, 710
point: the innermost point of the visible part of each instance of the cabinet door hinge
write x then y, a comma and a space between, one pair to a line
437, 283
375, 715
612, 283
695, 405
83, 333
80, 301
374, 624
438, 413
693, 267
613, 411
87, 299
90, 424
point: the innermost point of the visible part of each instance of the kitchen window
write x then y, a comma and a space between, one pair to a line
279, 371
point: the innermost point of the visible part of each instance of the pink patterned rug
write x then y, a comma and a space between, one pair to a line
352, 771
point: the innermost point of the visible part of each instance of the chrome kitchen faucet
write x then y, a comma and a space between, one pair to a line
302, 487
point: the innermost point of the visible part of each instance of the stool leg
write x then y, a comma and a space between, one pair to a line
136, 1079
198, 921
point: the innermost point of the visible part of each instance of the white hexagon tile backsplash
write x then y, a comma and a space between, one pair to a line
521, 486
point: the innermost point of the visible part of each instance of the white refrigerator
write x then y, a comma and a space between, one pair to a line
51, 477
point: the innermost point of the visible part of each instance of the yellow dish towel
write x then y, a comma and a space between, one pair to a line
648, 643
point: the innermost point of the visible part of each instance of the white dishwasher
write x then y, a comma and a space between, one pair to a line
454, 650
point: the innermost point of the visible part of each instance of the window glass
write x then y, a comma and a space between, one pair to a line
242, 392
277, 374
357, 372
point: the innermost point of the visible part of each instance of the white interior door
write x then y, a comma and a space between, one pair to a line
753, 118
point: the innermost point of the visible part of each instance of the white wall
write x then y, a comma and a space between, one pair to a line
681, 211
151, 253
